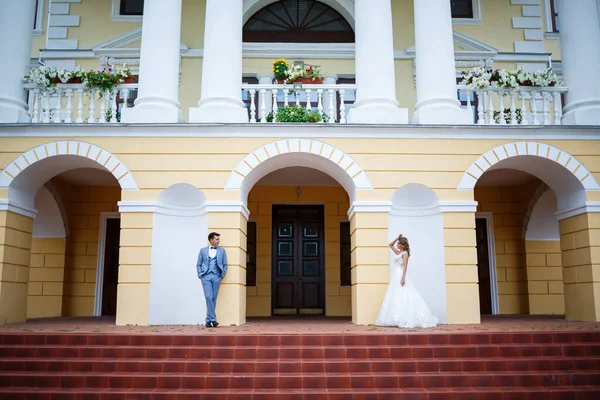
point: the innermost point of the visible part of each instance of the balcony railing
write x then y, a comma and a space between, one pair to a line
332, 100
525, 105
74, 103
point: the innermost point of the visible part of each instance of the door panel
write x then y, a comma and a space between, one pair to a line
298, 278
483, 266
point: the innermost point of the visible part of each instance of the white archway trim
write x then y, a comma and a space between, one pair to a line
534, 199
388, 207
515, 149
341, 164
74, 148
181, 211
344, 7
13, 207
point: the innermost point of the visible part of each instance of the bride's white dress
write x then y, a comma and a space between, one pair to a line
403, 306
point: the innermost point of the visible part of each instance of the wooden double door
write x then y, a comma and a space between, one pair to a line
298, 260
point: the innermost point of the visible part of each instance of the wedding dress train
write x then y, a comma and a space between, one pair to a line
403, 306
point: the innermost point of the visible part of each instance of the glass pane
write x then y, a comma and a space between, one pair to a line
310, 268
285, 229
132, 7
461, 8
284, 249
345, 253
285, 268
311, 249
311, 229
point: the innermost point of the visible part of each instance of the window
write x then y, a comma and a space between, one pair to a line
465, 12
345, 255
298, 21
38, 18
127, 10
552, 16
251, 254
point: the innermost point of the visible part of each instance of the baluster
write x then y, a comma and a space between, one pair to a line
297, 94
546, 107
557, 108
274, 108
468, 93
113, 106
252, 105
286, 93
502, 120
263, 113
92, 117
320, 103
490, 110
480, 102
69, 111
342, 107
46, 108
35, 118
79, 106
58, 109
534, 111
308, 103
125, 93
102, 118
513, 108
524, 116
331, 105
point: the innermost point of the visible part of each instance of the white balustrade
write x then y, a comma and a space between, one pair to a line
58, 106
495, 106
309, 96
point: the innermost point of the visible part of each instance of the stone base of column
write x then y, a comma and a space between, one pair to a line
377, 112
13, 112
441, 112
219, 111
154, 112
584, 113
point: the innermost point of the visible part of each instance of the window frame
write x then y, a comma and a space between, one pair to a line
345, 268
251, 266
551, 13
38, 21
476, 20
117, 17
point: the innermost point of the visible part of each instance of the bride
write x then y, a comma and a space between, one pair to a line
402, 305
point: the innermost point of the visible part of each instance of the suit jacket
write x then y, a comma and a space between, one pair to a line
202, 264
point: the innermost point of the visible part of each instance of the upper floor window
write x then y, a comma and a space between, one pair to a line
465, 12
298, 21
551, 15
127, 10
38, 17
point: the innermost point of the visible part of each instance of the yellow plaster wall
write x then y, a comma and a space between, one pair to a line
46, 277
545, 277
260, 201
86, 204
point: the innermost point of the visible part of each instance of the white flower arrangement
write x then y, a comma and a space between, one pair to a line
481, 78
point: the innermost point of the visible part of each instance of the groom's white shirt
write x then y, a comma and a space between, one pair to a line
212, 252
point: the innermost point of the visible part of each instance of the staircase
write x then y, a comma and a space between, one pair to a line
536, 365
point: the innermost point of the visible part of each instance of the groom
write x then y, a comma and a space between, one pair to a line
211, 268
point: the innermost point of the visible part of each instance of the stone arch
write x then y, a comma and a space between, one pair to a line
28, 172
344, 7
566, 176
416, 213
295, 153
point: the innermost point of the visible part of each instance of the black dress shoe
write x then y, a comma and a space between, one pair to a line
215, 324
209, 325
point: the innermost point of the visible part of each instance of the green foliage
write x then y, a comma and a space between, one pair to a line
295, 114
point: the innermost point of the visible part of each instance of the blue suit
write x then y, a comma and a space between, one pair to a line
211, 271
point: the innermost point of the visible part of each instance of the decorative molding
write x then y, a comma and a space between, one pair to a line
11, 206
59, 16
590, 207
458, 206
369, 207
181, 211
344, 7
531, 24
104, 216
410, 211
515, 149
489, 218
73, 148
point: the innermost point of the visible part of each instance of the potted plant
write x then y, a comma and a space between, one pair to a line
105, 79
280, 67
296, 114
307, 74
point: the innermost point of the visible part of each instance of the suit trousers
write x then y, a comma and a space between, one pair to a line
210, 284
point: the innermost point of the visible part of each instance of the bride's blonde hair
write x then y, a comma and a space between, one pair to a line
403, 241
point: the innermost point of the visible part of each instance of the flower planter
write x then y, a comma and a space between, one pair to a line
76, 79
56, 80
129, 79
304, 81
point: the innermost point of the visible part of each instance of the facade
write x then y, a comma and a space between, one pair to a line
106, 200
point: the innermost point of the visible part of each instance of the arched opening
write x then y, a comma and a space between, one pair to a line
77, 185
416, 214
179, 230
294, 21
525, 264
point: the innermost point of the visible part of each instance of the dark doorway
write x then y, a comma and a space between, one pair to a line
111, 267
298, 260
483, 266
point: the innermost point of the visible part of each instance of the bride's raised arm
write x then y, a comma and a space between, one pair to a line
393, 245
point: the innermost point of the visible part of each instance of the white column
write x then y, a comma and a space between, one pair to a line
16, 29
265, 79
221, 94
158, 95
437, 101
580, 52
375, 74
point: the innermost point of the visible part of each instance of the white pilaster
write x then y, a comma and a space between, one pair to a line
158, 99
265, 79
375, 76
16, 30
437, 102
221, 94
580, 52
